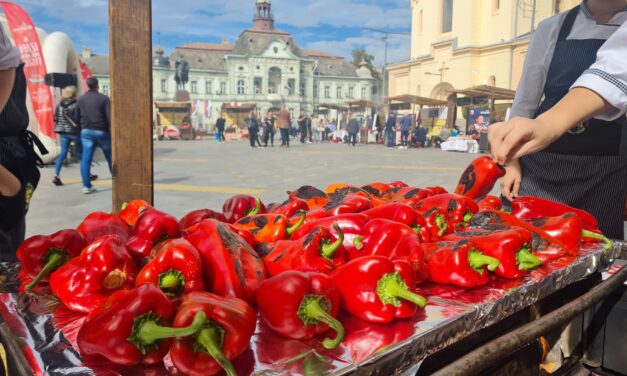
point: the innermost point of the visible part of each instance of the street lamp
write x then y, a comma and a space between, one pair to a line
441, 74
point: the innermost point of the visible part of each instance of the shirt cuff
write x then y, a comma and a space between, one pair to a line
611, 88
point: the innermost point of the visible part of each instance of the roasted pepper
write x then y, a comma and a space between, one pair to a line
398, 184
459, 209
102, 268
290, 207
348, 203
240, 206
230, 266
300, 306
352, 225
479, 178
197, 216
132, 328
568, 228
314, 197
98, 224
41, 255
529, 207
224, 336
394, 211
269, 227
433, 223
435, 190
176, 268
490, 203
341, 188
408, 195
378, 189
460, 263
319, 251
131, 211
377, 289
152, 227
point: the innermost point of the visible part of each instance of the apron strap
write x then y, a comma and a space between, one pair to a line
571, 16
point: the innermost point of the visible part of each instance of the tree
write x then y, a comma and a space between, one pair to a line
359, 55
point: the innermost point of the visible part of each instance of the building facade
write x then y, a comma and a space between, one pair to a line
457, 44
264, 67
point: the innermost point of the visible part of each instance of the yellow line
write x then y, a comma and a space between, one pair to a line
182, 188
418, 168
183, 160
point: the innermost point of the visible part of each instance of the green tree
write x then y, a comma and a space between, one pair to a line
359, 55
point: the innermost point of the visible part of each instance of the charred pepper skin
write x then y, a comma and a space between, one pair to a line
131, 210
459, 209
569, 229
528, 207
269, 227
479, 178
314, 197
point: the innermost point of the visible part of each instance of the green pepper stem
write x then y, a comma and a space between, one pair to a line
149, 332
211, 338
291, 229
53, 262
257, 209
440, 221
467, 217
391, 288
358, 242
313, 310
124, 205
607, 243
172, 282
478, 260
329, 249
416, 229
527, 260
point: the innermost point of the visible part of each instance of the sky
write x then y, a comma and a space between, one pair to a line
334, 26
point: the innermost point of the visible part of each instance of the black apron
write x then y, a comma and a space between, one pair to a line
587, 167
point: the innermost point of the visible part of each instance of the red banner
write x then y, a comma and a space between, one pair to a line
85, 74
27, 42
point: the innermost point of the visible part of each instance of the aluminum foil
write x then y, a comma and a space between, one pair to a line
46, 330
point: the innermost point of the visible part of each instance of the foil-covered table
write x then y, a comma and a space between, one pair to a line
46, 330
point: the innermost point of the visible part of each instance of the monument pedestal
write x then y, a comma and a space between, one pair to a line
182, 96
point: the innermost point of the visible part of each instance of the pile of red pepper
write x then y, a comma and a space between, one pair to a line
153, 284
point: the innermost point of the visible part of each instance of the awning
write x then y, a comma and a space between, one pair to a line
332, 106
173, 105
492, 92
364, 103
414, 99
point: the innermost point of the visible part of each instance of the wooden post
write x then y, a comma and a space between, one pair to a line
130, 47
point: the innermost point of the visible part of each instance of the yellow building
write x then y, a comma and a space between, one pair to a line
457, 44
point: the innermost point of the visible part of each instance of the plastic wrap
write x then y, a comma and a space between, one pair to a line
47, 330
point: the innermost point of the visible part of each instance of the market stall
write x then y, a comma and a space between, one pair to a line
371, 110
431, 121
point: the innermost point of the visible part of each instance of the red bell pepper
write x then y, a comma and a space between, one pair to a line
269, 227
398, 184
132, 329
314, 197
152, 227
490, 203
264, 249
377, 189
341, 189
131, 211
394, 211
377, 289
230, 266
290, 207
176, 268
223, 337
102, 268
41, 255
433, 223
460, 263
395, 241
301, 305
240, 206
435, 190
479, 178
511, 246
458, 208
313, 215
351, 225
529, 207
409, 195
568, 229
348, 203
197, 216
98, 224
319, 251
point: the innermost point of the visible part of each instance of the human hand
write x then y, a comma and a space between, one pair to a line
510, 183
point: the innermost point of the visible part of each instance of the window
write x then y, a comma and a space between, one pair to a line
302, 88
222, 88
339, 92
351, 92
447, 16
209, 87
420, 22
315, 91
291, 86
258, 85
363, 93
327, 92
241, 89
194, 87
164, 86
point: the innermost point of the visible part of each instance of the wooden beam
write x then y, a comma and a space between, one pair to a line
130, 48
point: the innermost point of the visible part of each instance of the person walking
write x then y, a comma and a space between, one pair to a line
283, 122
220, 124
93, 114
309, 129
67, 129
353, 130
405, 128
268, 129
389, 130
253, 130
302, 126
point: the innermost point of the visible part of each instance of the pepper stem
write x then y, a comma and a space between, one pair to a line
467, 217
210, 340
358, 242
291, 229
124, 205
440, 221
313, 309
527, 260
391, 288
171, 282
54, 259
478, 260
329, 249
257, 209
114, 280
416, 229
607, 243
149, 332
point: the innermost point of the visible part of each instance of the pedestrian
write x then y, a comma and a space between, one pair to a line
405, 129
220, 124
283, 122
67, 129
353, 130
19, 174
253, 130
93, 114
322, 130
302, 126
268, 129
584, 166
389, 129
330, 130
309, 129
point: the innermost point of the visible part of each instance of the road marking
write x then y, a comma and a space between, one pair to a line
182, 188
184, 160
417, 168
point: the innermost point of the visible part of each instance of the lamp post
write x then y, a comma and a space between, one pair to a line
441, 74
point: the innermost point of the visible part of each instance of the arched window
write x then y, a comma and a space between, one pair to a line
240, 87
274, 81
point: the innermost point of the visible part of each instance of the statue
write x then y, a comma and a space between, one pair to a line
182, 73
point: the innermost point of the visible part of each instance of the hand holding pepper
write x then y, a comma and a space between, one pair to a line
479, 178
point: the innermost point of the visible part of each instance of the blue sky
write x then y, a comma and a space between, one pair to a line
335, 26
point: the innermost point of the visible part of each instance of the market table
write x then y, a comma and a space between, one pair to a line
45, 331
460, 144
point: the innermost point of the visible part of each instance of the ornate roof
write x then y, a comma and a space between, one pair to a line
255, 42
